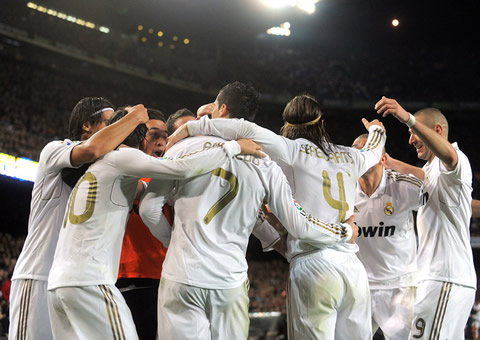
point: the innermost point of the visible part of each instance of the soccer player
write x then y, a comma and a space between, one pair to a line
177, 119
89, 141
328, 295
143, 254
83, 301
387, 244
447, 278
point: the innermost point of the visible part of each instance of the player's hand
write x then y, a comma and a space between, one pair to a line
249, 147
351, 221
139, 111
272, 219
367, 124
178, 135
204, 110
387, 106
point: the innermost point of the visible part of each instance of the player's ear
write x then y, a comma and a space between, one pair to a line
439, 129
383, 159
223, 111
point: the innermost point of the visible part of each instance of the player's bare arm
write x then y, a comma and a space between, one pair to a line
178, 135
432, 138
205, 110
475, 208
403, 168
110, 137
249, 147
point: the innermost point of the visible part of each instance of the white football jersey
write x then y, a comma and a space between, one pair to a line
325, 185
387, 242
91, 234
215, 214
444, 251
49, 199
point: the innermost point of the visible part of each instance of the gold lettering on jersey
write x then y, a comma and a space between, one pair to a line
337, 157
341, 204
91, 198
225, 199
210, 145
248, 159
206, 146
388, 209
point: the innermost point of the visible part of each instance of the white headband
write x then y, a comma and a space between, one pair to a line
102, 110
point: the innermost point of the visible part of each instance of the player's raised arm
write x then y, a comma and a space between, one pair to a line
231, 129
432, 133
372, 151
109, 137
190, 165
403, 168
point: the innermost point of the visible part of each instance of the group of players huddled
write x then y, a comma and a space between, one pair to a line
342, 217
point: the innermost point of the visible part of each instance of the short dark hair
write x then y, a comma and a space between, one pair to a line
156, 114
135, 139
174, 116
241, 100
86, 110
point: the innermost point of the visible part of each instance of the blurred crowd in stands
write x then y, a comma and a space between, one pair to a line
10, 248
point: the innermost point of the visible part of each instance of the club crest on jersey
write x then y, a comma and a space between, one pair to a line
299, 208
388, 209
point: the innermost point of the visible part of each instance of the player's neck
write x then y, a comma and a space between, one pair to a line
370, 181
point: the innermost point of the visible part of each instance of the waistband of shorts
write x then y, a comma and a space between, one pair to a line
317, 253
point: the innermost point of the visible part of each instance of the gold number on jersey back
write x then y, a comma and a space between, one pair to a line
341, 204
90, 204
225, 199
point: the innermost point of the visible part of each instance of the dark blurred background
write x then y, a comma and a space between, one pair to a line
174, 54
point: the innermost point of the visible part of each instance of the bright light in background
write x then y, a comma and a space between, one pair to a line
307, 6
71, 18
283, 30
395, 22
18, 167
280, 3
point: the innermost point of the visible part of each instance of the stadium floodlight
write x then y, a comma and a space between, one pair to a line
104, 29
283, 30
280, 3
307, 6
67, 17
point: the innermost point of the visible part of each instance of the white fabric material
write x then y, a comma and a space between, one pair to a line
90, 312
444, 251
90, 242
29, 318
387, 239
325, 185
49, 199
392, 311
208, 249
342, 314
266, 234
441, 310
301, 160
186, 312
